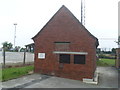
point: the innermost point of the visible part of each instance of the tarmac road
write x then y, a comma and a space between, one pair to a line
108, 78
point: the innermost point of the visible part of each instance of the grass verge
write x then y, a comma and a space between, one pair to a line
106, 62
15, 72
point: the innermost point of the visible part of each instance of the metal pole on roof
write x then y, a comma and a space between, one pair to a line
83, 12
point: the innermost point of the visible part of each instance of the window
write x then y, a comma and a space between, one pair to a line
62, 46
79, 59
64, 58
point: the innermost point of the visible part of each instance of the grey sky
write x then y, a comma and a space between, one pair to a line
32, 15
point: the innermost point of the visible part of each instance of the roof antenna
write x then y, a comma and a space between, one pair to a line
83, 12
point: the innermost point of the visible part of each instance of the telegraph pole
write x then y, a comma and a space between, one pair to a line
15, 33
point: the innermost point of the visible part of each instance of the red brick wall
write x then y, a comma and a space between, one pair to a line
117, 62
65, 28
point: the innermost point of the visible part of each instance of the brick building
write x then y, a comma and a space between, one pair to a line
117, 62
65, 48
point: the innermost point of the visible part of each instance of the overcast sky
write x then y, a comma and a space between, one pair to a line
31, 15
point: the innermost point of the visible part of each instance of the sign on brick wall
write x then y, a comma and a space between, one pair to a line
41, 55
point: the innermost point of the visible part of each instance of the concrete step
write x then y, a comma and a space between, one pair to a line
92, 81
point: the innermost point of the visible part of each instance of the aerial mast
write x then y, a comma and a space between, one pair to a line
83, 12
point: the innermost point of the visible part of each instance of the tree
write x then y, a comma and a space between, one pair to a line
7, 46
10, 46
114, 50
118, 42
4, 44
17, 48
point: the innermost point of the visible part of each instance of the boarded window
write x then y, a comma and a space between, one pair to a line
62, 46
79, 59
64, 58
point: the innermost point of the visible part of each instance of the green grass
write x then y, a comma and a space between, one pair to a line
15, 72
106, 62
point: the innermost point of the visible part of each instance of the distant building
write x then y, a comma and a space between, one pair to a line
30, 47
65, 48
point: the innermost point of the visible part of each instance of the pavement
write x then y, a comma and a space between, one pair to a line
108, 78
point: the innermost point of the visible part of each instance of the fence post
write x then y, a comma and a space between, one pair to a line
24, 57
3, 57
